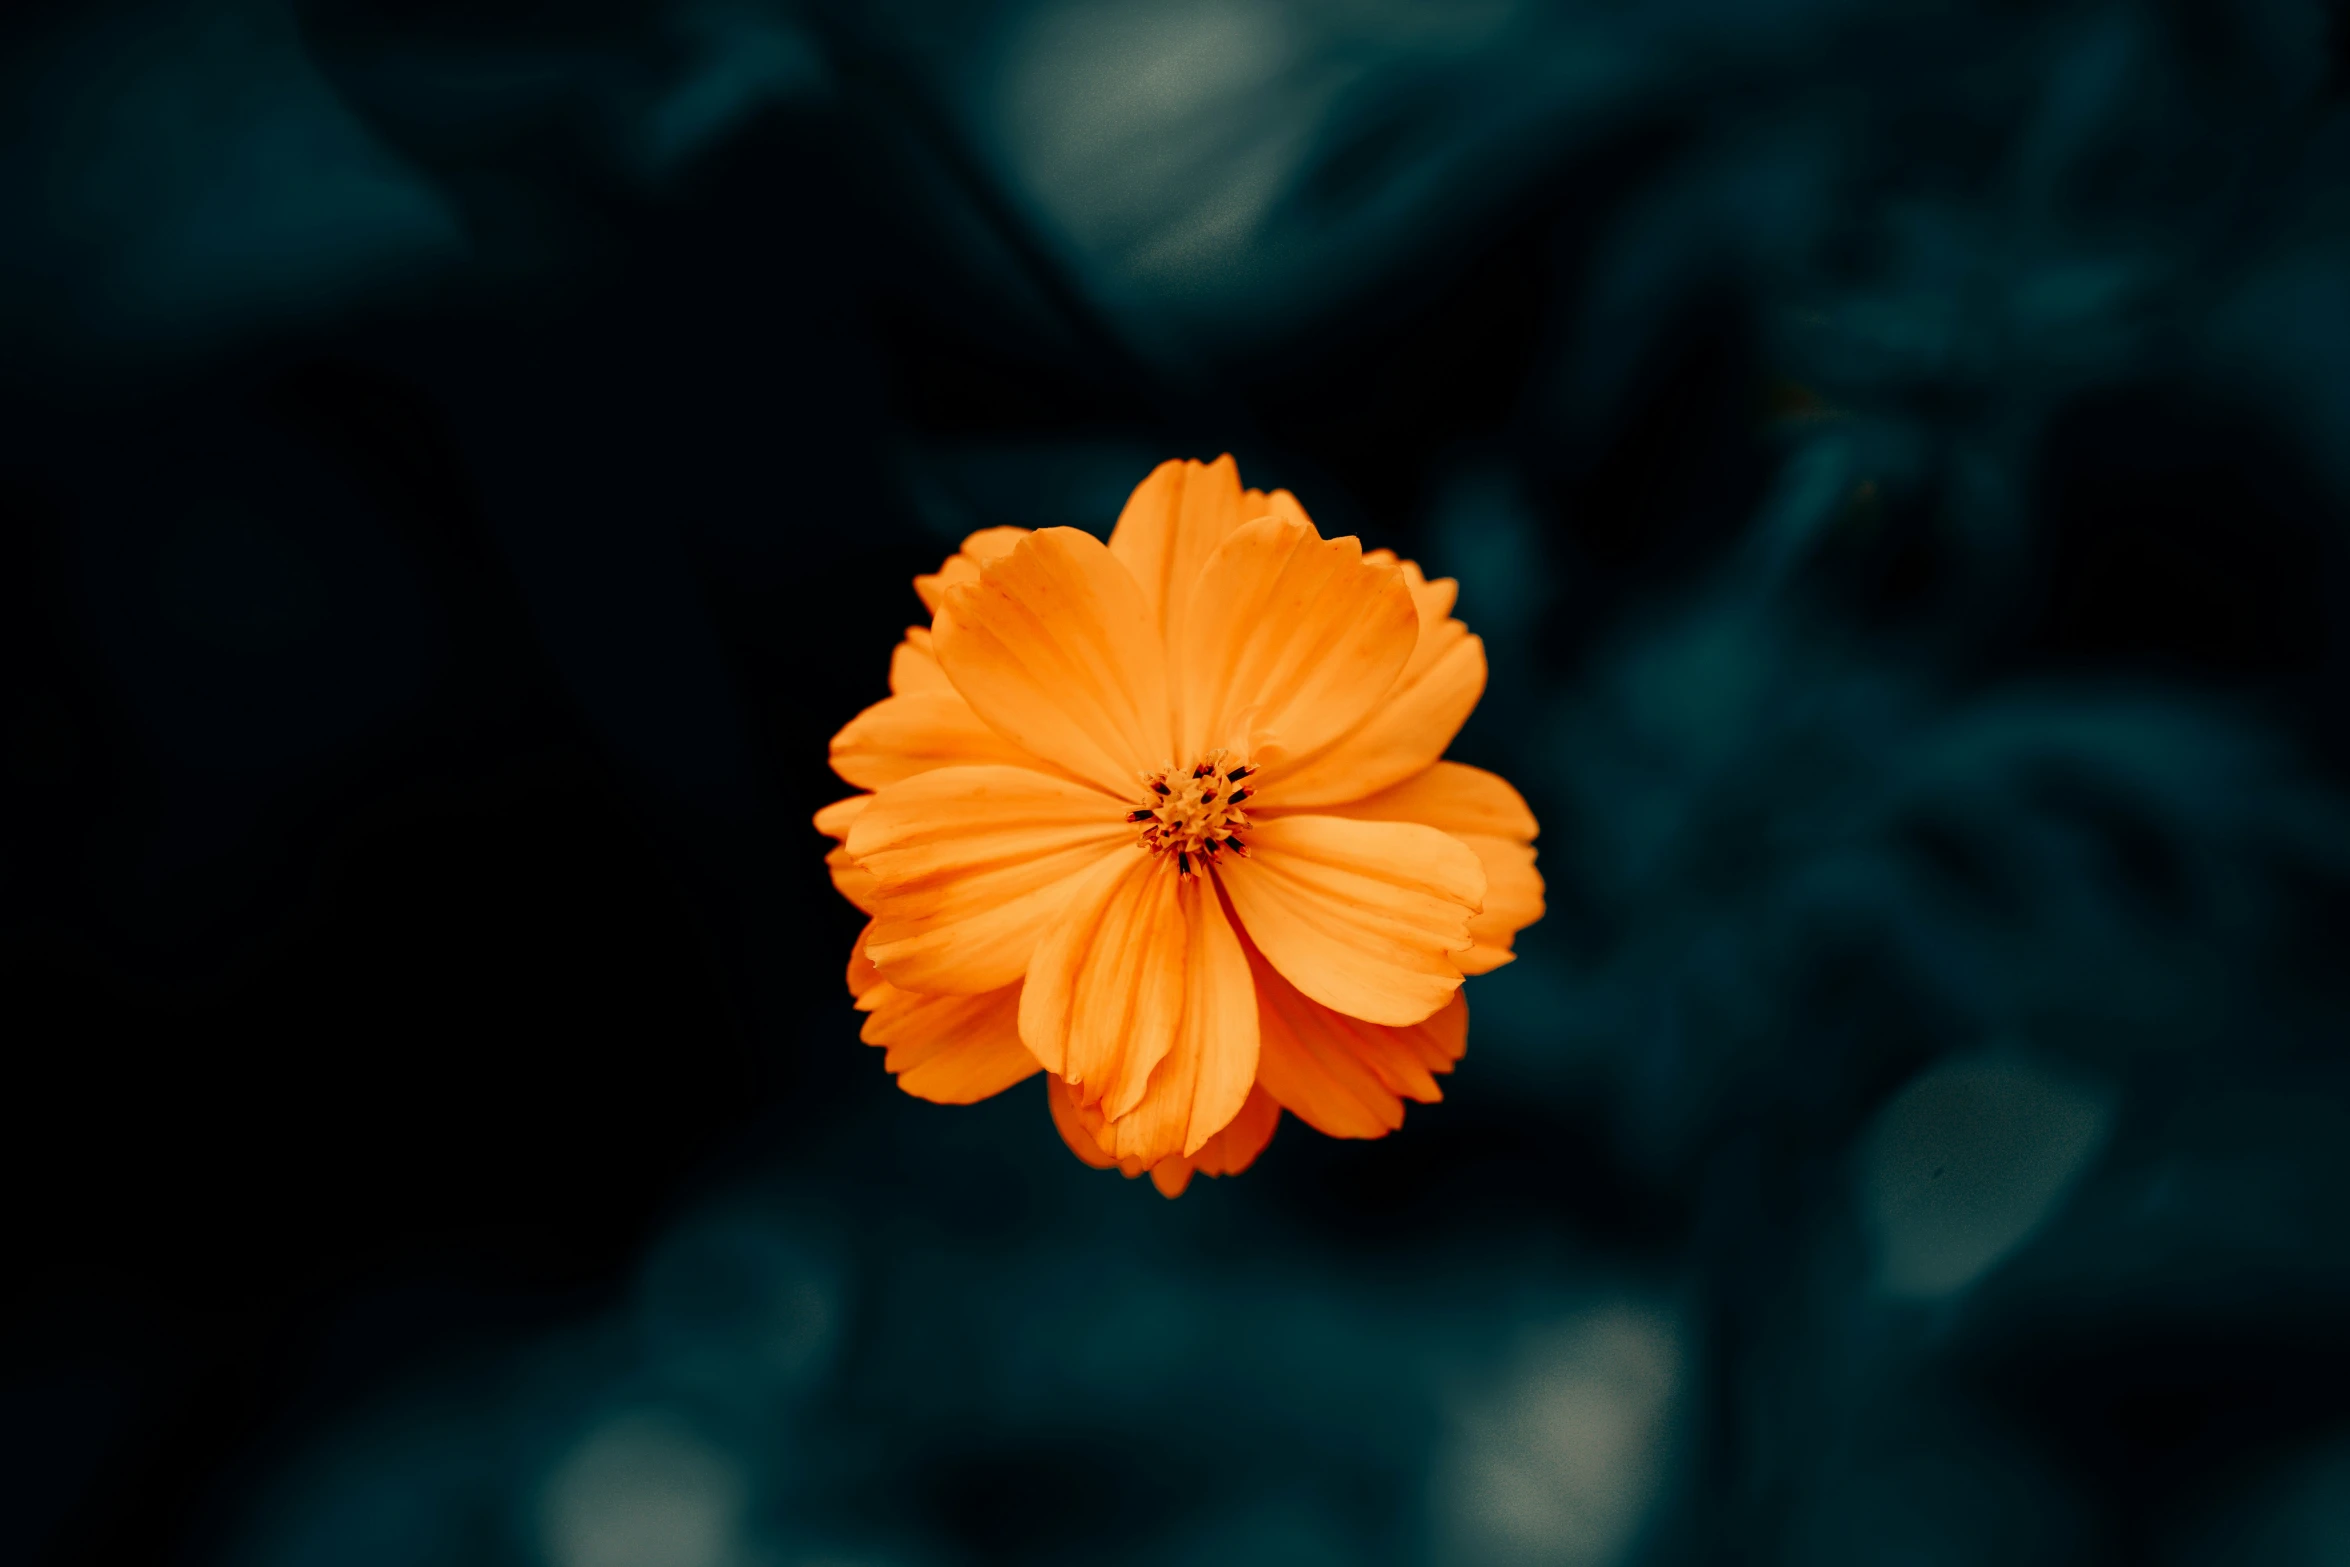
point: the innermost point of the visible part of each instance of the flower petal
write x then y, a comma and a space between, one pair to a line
1078, 1125
835, 820
1434, 599
1290, 638
1361, 916
913, 665
1083, 1127
970, 864
1414, 721
1175, 519
1485, 813
1451, 797
1140, 999
1513, 901
900, 736
863, 976
851, 880
1171, 524
1229, 1152
963, 566
1235, 1148
1340, 1075
1087, 1131
1054, 647
951, 1050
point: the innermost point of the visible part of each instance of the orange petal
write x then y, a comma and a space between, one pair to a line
1434, 601
1235, 1148
951, 1050
1229, 1152
1513, 901
970, 865
1054, 647
835, 820
1077, 1124
963, 566
1290, 639
913, 665
1171, 524
1485, 813
1415, 720
1175, 519
1345, 1077
1361, 916
863, 976
1140, 999
1170, 1176
900, 736
1084, 1128
1451, 797
851, 880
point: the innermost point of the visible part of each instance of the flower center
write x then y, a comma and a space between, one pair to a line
1195, 813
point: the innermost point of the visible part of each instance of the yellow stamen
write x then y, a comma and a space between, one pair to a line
1195, 813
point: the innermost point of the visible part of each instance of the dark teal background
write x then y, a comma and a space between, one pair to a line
459, 462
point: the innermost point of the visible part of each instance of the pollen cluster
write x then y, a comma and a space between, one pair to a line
1195, 813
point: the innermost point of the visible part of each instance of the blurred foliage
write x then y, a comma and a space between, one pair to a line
1898, 455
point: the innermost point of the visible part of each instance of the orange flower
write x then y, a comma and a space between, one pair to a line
1166, 819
